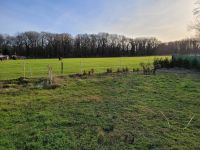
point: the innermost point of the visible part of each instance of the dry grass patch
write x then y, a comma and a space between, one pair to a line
93, 98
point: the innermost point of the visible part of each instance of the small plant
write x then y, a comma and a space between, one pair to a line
156, 64
89, 73
100, 136
147, 68
125, 69
109, 70
119, 70
136, 70
92, 71
84, 73
129, 138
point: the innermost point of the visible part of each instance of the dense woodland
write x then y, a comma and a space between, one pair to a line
50, 45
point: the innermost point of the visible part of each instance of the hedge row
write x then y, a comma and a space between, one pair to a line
188, 62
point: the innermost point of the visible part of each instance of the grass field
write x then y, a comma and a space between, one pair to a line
127, 111
13, 69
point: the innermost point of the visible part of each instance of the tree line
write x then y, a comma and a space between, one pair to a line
183, 47
50, 45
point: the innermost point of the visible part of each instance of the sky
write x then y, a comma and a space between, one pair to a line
168, 20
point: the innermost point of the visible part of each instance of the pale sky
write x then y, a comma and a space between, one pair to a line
167, 20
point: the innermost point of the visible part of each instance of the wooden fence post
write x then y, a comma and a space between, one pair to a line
62, 66
81, 66
31, 75
24, 70
50, 74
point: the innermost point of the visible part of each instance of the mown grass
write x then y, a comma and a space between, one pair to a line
116, 111
13, 69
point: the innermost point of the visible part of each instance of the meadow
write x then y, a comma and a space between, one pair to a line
13, 69
105, 111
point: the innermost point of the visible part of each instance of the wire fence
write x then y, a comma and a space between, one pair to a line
33, 69
13, 69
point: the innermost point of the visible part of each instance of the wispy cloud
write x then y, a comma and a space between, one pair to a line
165, 19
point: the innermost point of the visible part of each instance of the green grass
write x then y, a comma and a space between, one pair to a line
13, 69
103, 112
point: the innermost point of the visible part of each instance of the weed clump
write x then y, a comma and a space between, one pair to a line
92, 71
109, 70
125, 70
89, 73
84, 73
136, 70
22, 80
147, 68
129, 138
100, 137
119, 70
47, 84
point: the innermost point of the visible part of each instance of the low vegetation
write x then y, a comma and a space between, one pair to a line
108, 111
182, 61
13, 69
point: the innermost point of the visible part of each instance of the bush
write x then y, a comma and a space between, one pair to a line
147, 68
195, 63
198, 67
179, 62
166, 63
160, 63
189, 62
157, 63
186, 63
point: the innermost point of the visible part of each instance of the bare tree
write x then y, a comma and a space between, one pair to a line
51, 45
1, 42
196, 12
